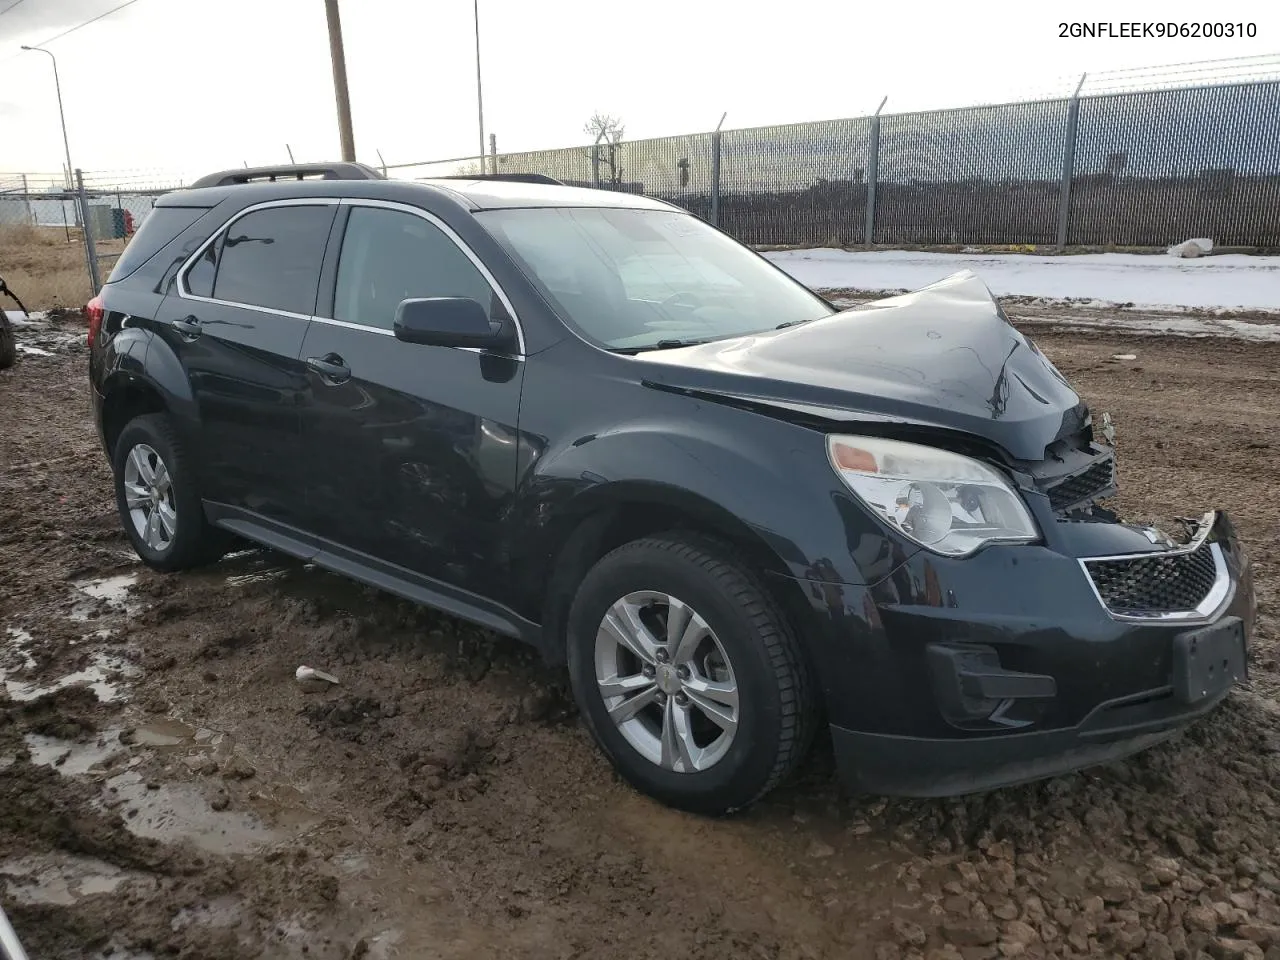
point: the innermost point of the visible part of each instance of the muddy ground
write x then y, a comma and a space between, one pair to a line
167, 788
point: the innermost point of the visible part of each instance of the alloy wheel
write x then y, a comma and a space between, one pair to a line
148, 495
666, 681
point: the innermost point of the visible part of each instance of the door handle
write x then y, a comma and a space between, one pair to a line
331, 367
187, 326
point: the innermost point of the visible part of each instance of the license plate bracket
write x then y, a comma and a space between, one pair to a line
1208, 661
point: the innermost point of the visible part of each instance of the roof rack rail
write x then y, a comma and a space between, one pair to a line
512, 177
290, 171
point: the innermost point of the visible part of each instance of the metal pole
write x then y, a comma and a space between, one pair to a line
595, 164
383, 162
57, 86
90, 247
493, 152
715, 178
339, 59
26, 199
10, 948
715, 171
479, 89
873, 173
1068, 165
289, 149
62, 202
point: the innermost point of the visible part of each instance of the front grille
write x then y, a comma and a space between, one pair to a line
1088, 484
1155, 583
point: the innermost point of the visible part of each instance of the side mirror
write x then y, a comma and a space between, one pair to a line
449, 322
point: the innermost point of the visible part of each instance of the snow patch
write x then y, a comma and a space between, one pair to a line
1231, 281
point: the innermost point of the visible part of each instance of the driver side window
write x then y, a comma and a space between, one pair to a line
388, 256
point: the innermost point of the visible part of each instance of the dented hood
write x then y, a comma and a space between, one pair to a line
944, 356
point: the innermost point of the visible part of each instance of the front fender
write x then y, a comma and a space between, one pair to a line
738, 470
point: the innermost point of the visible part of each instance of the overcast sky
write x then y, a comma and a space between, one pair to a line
184, 86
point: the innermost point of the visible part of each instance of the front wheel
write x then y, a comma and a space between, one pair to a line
688, 675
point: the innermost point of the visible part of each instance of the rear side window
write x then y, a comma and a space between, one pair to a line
389, 256
271, 258
158, 227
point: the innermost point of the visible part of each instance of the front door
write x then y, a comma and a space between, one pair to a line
411, 450
236, 324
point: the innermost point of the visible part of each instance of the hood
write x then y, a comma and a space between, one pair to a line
944, 356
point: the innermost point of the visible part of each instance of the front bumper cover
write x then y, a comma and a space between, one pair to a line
1049, 677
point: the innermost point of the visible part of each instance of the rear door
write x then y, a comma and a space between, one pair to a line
411, 449
236, 325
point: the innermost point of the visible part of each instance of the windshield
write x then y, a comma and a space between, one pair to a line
637, 279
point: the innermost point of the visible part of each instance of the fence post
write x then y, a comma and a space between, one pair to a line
873, 173
26, 201
715, 179
90, 247
1068, 165
595, 164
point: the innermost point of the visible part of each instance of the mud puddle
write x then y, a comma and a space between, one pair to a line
59, 879
113, 592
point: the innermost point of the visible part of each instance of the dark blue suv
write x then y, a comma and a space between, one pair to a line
594, 422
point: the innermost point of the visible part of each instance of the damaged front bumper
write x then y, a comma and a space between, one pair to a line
1022, 662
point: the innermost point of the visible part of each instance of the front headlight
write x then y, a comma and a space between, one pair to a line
948, 503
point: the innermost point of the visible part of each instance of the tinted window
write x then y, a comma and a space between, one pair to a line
201, 273
158, 227
271, 258
388, 256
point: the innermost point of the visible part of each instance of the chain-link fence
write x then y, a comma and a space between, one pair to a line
1130, 169
46, 254
1141, 168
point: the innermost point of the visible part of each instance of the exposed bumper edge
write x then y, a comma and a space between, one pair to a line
891, 765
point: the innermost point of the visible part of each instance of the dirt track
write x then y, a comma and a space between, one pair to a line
443, 802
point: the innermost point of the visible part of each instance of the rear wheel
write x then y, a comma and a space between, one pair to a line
688, 675
157, 498
8, 348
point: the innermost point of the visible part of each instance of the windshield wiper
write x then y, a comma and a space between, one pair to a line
794, 323
662, 345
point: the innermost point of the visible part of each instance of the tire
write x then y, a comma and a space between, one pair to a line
181, 537
8, 348
739, 639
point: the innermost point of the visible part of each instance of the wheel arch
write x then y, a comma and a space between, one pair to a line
609, 516
124, 399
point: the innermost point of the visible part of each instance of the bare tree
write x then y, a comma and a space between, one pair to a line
606, 132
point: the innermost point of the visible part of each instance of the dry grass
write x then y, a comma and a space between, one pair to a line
45, 269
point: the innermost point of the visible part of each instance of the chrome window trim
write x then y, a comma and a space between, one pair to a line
364, 327
1204, 611
181, 280
449, 232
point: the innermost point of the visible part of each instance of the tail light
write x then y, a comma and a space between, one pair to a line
95, 311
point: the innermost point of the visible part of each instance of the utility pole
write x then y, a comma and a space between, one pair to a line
340, 81
479, 90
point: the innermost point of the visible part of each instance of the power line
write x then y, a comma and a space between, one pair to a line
9, 7
78, 26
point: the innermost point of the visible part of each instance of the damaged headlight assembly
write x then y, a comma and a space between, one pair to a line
948, 503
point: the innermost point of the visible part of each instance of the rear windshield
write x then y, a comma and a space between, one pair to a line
158, 227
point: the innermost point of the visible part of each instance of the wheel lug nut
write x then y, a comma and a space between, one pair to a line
648, 671
661, 655
662, 698
682, 672
682, 699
